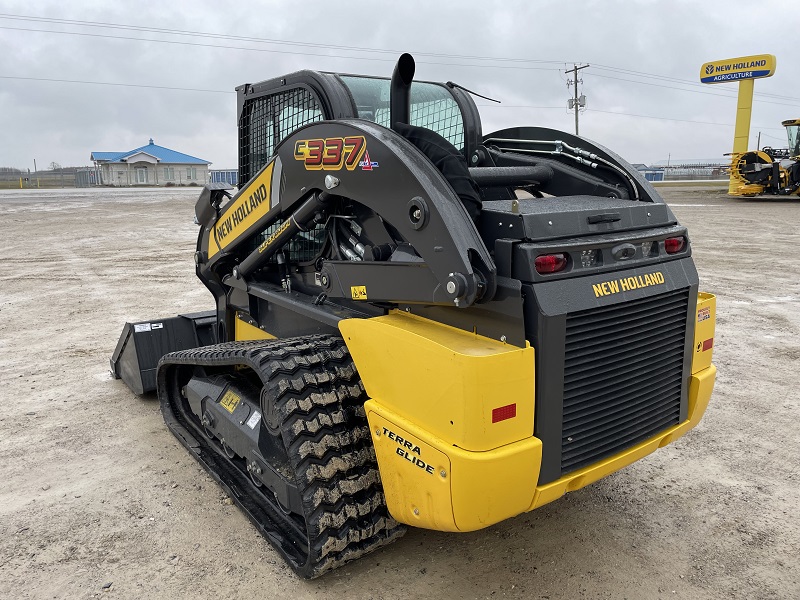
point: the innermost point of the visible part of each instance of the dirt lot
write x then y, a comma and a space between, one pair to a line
95, 491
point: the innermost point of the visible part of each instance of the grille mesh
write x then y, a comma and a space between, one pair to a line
303, 247
267, 120
623, 376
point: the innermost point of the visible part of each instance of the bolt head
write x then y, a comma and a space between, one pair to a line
378, 431
331, 181
451, 287
443, 473
416, 512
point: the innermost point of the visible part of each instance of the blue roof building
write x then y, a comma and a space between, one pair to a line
150, 165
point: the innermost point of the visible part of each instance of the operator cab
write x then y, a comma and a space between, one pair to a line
272, 110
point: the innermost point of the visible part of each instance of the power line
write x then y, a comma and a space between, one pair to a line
315, 54
214, 35
519, 106
267, 50
81, 23
183, 89
733, 97
686, 82
71, 22
622, 114
131, 85
773, 137
168, 31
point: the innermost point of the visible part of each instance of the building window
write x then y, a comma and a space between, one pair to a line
191, 173
169, 173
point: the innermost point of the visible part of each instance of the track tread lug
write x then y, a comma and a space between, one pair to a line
317, 396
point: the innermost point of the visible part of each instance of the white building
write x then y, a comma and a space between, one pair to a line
149, 165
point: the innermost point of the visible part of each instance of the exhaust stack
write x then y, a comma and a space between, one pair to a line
400, 90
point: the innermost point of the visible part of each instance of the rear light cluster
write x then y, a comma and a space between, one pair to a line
674, 245
550, 263
546, 264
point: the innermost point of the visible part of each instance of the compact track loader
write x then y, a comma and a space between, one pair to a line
418, 324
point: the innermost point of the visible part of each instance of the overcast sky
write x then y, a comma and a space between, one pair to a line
644, 99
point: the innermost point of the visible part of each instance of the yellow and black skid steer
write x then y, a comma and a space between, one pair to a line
417, 324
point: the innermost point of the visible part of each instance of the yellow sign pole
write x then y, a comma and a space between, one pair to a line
741, 134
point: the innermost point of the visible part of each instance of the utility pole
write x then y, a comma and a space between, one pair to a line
576, 101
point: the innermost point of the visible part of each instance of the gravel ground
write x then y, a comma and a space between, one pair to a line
97, 499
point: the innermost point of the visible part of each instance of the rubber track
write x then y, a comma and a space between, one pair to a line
317, 396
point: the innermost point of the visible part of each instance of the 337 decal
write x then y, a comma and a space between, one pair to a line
331, 154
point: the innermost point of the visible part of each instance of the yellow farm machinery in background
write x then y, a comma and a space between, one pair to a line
770, 171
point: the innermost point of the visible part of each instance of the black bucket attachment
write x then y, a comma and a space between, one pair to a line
142, 345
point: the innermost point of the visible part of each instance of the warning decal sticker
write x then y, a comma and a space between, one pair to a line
230, 401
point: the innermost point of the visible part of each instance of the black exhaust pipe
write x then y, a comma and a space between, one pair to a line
400, 90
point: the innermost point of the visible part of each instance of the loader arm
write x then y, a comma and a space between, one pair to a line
436, 255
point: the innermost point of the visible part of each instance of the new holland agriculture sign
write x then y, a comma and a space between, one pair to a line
736, 69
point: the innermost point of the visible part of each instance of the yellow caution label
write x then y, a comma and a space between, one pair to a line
230, 401
358, 292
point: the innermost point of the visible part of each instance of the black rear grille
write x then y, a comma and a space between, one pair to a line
623, 376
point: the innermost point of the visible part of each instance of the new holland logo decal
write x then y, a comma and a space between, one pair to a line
626, 284
332, 154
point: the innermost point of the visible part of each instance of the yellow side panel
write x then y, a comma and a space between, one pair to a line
430, 484
448, 381
706, 317
249, 205
701, 385
245, 331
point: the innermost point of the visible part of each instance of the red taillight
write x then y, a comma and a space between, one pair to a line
674, 245
550, 263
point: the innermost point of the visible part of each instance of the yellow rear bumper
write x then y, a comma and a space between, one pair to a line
431, 484
451, 417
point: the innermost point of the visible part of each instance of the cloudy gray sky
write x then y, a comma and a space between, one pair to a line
644, 99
